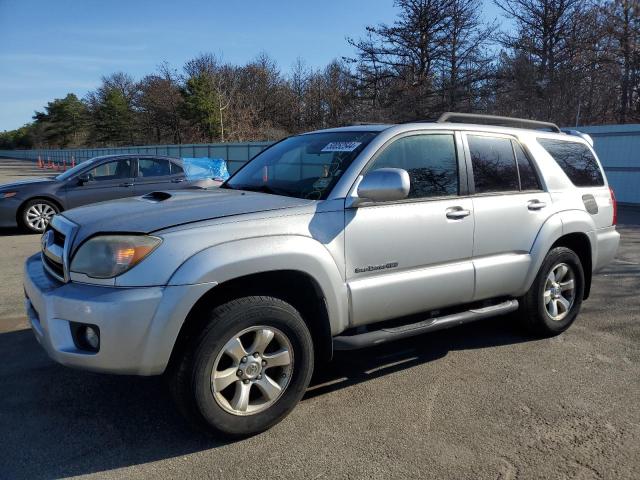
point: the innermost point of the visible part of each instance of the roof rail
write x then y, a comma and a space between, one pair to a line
453, 117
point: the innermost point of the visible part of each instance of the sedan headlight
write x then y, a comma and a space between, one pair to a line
108, 256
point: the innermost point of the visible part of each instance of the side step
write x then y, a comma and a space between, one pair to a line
376, 337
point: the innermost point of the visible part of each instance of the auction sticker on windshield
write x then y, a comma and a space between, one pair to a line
341, 146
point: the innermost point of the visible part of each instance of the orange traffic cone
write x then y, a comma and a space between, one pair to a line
73, 161
50, 166
39, 162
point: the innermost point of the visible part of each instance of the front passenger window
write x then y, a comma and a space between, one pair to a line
430, 161
114, 170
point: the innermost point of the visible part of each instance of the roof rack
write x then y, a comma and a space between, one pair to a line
453, 117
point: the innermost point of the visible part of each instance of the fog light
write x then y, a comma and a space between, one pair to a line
92, 338
85, 337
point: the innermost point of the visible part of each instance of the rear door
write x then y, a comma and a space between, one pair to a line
107, 181
510, 208
156, 174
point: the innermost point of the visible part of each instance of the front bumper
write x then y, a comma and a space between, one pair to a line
138, 326
9, 211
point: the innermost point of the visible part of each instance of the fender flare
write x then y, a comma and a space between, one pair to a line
238, 258
555, 227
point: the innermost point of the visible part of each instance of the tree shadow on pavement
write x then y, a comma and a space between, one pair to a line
57, 422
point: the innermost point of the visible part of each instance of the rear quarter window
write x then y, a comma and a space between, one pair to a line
576, 161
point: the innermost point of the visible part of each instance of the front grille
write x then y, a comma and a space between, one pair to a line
56, 241
56, 267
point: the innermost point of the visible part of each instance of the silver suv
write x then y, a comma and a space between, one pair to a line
332, 240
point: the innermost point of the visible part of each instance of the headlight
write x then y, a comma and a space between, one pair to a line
108, 256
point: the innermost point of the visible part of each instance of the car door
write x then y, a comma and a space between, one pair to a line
109, 180
510, 208
155, 174
413, 255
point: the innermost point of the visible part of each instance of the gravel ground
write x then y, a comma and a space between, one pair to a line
478, 402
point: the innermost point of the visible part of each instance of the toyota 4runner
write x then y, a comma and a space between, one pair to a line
332, 240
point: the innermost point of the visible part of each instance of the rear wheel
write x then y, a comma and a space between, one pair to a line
36, 214
554, 300
247, 369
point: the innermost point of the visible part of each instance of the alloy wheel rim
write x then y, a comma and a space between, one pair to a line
559, 291
39, 215
252, 371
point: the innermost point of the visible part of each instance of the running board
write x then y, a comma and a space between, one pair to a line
376, 337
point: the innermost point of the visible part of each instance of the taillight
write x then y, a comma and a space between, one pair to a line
614, 203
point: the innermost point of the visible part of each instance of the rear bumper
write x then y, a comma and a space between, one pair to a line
138, 326
607, 241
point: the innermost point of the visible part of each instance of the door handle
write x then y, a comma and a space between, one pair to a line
536, 205
177, 180
126, 184
457, 213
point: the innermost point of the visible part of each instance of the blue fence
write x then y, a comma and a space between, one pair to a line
618, 147
236, 154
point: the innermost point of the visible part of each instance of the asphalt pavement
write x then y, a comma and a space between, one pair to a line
481, 401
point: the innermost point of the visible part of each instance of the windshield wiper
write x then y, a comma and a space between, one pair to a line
262, 189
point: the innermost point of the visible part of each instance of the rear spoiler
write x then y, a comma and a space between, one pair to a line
586, 137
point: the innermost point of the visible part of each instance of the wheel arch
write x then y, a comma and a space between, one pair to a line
570, 229
579, 243
295, 287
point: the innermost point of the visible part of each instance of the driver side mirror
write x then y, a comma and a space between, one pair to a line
383, 185
84, 178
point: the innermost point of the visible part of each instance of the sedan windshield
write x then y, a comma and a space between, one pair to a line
305, 166
72, 171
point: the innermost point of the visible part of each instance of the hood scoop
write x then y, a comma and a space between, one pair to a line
157, 196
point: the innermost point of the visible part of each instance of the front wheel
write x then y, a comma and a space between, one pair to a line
36, 214
553, 302
247, 369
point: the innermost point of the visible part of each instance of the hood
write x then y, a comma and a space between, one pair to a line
160, 210
23, 183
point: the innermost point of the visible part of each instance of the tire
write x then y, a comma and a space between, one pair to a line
36, 214
197, 381
552, 287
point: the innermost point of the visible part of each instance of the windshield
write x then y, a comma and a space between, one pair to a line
305, 166
71, 172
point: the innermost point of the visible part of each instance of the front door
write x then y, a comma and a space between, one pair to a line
413, 255
510, 208
107, 181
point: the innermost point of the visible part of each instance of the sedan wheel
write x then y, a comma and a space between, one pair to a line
37, 214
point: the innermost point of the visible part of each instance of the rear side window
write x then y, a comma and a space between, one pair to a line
176, 169
429, 159
528, 177
153, 167
494, 165
576, 161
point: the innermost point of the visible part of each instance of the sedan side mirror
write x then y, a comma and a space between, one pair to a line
84, 178
383, 185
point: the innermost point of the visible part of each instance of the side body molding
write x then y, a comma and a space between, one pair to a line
559, 224
235, 259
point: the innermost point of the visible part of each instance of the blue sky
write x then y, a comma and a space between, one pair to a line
49, 48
